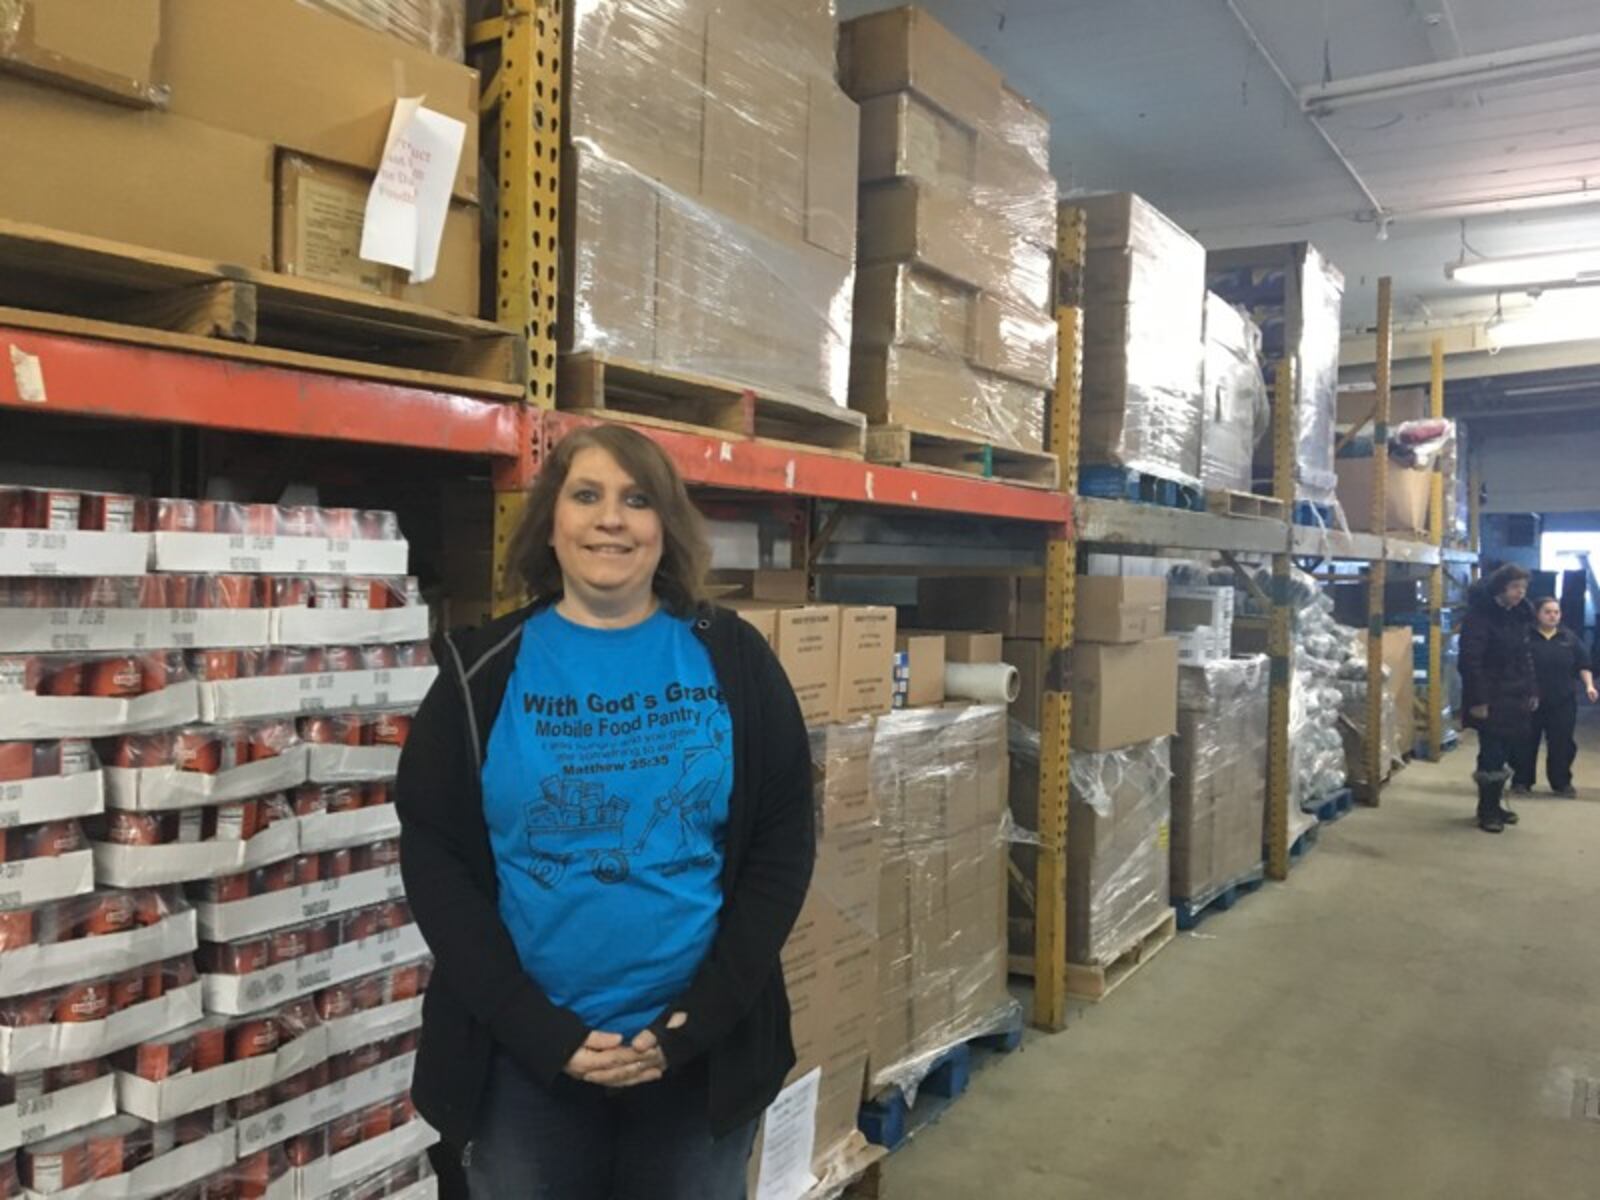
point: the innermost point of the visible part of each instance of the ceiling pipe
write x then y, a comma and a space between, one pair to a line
1521, 63
1378, 212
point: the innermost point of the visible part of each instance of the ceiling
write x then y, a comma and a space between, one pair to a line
1194, 104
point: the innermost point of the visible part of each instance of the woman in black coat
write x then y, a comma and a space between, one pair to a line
1499, 690
1561, 665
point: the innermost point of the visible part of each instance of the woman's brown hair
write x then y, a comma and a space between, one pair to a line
685, 554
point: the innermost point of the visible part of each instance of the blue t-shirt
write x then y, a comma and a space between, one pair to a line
606, 792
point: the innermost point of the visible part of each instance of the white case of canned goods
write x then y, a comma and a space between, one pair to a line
326, 691
245, 554
349, 626
234, 919
25, 716
160, 1176
51, 798
30, 881
375, 1025
58, 1112
341, 1098
155, 789
423, 1189
40, 1047
335, 831
106, 630
151, 866
364, 1159
34, 968
74, 552
167, 1099
352, 764
240, 995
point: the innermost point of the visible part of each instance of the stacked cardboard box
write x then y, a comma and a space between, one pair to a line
709, 192
840, 659
436, 25
1144, 294
953, 332
1235, 396
242, 131
830, 959
1294, 295
1399, 698
1200, 616
939, 782
1219, 776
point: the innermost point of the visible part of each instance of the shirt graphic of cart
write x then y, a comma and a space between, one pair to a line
575, 821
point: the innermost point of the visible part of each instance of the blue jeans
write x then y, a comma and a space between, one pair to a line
1494, 752
575, 1141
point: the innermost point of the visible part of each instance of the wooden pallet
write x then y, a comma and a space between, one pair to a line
68, 283
1093, 982
896, 445
651, 395
1226, 502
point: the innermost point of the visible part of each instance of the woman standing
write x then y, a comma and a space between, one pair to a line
1498, 687
607, 834
1560, 664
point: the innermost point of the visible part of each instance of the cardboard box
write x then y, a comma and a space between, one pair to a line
1201, 618
321, 210
1355, 406
945, 397
1120, 608
906, 49
901, 304
762, 615
1028, 657
1013, 607
1123, 694
965, 646
807, 642
90, 168
1014, 340
923, 666
866, 661
282, 72
904, 137
909, 221
780, 586
1406, 495
104, 50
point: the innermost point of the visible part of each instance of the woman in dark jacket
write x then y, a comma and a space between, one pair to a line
1561, 667
606, 836
1499, 691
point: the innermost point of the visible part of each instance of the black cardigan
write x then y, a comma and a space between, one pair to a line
481, 1000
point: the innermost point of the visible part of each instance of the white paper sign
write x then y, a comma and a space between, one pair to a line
788, 1140
411, 193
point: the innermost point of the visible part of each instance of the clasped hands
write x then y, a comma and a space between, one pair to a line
606, 1060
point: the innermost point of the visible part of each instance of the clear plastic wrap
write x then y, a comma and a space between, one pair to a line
710, 204
436, 25
1295, 296
1143, 344
1219, 776
1235, 397
1119, 865
939, 780
930, 394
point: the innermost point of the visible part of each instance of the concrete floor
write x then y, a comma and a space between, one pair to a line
1402, 1019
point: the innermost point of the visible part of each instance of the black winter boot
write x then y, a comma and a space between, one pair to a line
1491, 785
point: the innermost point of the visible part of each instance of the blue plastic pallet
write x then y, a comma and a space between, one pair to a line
1332, 808
890, 1120
1119, 483
1191, 914
1305, 843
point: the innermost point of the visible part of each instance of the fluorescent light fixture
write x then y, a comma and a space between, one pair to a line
1549, 266
1569, 316
1519, 64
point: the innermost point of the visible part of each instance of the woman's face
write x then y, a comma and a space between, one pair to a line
1549, 615
606, 535
1516, 591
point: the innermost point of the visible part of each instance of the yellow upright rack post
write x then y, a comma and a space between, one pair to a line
1050, 884
1436, 574
1377, 754
1280, 627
